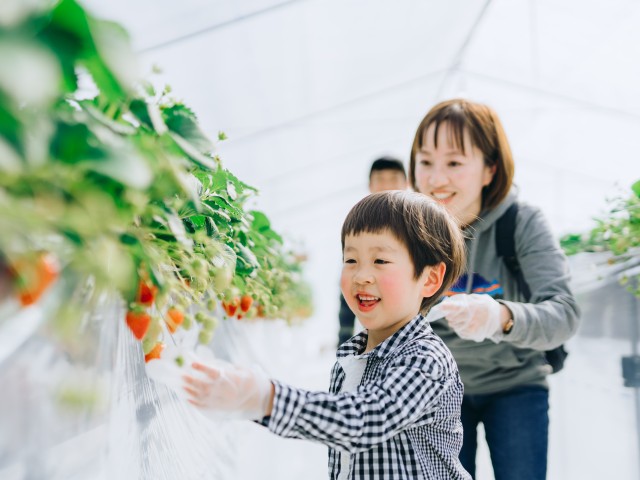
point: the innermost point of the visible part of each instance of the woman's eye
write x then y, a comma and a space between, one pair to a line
425, 163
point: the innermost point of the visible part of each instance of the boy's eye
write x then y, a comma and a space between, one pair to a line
349, 260
380, 261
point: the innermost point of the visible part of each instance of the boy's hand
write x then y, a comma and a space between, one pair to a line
229, 391
473, 316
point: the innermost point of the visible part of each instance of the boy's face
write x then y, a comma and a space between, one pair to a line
382, 180
379, 285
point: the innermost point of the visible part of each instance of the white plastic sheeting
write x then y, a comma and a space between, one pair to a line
86, 409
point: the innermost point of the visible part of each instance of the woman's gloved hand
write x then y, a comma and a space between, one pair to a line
473, 316
227, 391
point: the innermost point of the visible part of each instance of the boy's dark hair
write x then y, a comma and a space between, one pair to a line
429, 232
387, 163
486, 133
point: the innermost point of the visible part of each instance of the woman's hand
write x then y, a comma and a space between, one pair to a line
228, 391
475, 317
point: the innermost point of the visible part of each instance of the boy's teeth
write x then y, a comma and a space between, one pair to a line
366, 298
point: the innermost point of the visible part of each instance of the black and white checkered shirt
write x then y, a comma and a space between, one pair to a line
403, 421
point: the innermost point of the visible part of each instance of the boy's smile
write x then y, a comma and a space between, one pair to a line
367, 302
379, 284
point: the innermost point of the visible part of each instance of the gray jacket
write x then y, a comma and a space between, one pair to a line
551, 317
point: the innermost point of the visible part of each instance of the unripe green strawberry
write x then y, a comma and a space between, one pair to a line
210, 323
222, 278
154, 331
148, 344
271, 311
199, 284
199, 266
204, 337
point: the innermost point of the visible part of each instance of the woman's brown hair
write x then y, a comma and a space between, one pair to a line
487, 134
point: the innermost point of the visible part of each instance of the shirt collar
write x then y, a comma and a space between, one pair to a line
356, 344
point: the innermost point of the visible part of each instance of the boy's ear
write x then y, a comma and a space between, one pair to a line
432, 279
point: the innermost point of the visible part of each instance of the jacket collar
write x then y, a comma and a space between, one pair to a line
356, 344
487, 218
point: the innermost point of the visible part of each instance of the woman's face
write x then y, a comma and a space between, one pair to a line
451, 176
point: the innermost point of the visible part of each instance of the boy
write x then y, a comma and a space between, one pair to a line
386, 173
393, 410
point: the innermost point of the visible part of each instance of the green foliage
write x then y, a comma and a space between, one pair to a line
123, 186
618, 232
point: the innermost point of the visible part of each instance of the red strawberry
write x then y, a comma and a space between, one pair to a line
138, 322
232, 306
146, 293
34, 277
176, 317
155, 352
245, 303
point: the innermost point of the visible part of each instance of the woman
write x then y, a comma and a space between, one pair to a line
497, 330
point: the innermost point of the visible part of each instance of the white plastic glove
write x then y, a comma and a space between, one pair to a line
435, 314
473, 316
174, 363
225, 391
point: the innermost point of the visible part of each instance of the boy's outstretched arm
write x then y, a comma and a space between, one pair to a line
408, 395
410, 392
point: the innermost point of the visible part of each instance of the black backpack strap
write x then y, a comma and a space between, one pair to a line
506, 247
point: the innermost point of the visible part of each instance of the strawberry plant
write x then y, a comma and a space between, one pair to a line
118, 185
617, 232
